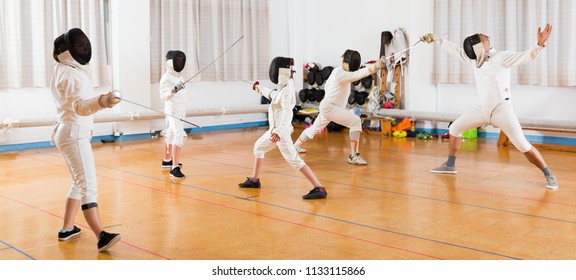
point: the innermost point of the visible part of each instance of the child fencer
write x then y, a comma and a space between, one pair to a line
333, 107
74, 97
171, 85
492, 73
283, 100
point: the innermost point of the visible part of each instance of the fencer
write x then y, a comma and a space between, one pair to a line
171, 91
73, 94
492, 73
333, 107
283, 100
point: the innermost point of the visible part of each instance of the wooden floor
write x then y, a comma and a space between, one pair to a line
497, 207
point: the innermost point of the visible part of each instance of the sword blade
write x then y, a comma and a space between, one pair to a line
158, 111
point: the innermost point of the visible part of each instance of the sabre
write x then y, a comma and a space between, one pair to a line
403, 51
158, 111
406, 49
221, 55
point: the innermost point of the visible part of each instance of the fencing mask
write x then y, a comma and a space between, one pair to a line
177, 60
351, 60
303, 95
326, 71
280, 69
77, 43
474, 49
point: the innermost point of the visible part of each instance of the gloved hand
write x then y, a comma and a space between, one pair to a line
256, 88
179, 86
380, 63
429, 38
110, 99
376, 65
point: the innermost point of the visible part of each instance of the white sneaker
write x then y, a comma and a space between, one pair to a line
300, 150
356, 159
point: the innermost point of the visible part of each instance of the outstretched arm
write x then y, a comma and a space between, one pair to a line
510, 59
264, 91
448, 46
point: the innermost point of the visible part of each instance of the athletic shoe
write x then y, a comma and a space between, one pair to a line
168, 164
300, 150
176, 173
551, 182
107, 240
356, 159
249, 184
67, 235
445, 169
316, 193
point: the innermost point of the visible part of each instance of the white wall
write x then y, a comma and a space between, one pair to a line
333, 26
131, 59
319, 31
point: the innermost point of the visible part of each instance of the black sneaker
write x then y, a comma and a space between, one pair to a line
249, 184
67, 235
316, 193
168, 164
107, 240
176, 173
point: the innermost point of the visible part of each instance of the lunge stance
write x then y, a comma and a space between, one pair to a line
283, 100
492, 73
333, 106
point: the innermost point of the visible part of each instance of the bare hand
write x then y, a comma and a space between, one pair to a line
274, 138
543, 35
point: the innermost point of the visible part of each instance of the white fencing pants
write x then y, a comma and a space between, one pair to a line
502, 116
73, 141
285, 145
174, 134
332, 113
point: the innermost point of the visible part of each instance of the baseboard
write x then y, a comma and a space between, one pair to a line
47, 144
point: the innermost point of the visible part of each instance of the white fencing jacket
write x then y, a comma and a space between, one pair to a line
337, 87
280, 110
173, 102
493, 78
73, 92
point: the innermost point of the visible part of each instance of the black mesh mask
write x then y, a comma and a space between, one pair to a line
276, 64
474, 49
353, 59
178, 59
77, 43
469, 43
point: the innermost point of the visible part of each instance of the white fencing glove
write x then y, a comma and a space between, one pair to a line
376, 65
380, 63
179, 86
429, 38
110, 99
